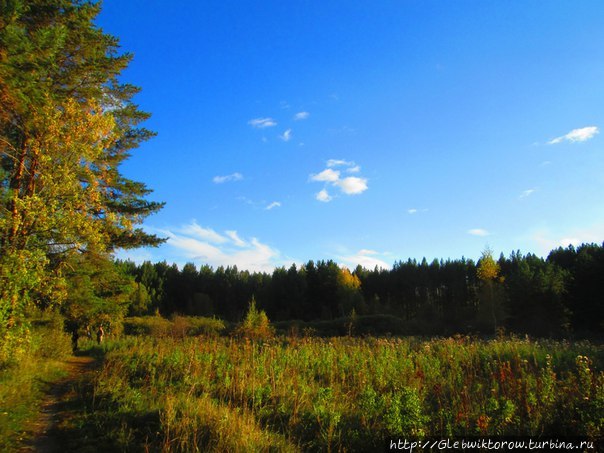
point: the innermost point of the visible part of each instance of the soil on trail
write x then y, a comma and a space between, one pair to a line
60, 406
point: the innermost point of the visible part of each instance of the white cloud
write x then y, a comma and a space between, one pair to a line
227, 178
339, 163
274, 204
366, 258
546, 240
526, 193
352, 185
231, 250
478, 232
368, 252
327, 175
235, 238
261, 123
576, 135
286, 136
138, 256
565, 242
301, 116
323, 196
415, 210
205, 234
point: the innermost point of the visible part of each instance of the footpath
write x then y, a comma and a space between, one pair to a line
62, 405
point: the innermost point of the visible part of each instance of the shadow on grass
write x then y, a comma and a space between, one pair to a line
74, 419
107, 430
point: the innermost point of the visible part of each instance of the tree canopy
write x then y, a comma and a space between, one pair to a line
66, 125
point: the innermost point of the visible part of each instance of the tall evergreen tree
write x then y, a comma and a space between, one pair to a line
66, 125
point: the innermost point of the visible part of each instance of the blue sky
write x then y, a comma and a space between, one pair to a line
366, 132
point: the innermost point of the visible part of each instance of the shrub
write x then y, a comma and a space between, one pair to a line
255, 325
178, 327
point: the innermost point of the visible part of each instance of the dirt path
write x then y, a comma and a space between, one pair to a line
60, 405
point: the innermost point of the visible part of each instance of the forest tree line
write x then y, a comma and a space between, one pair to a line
555, 296
68, 123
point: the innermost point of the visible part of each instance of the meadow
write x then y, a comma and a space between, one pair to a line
174, 392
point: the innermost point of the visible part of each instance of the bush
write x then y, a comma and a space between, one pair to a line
255, 325
178, 326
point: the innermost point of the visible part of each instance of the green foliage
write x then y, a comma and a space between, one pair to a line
403, 413
178, 326
66, 125
349, 394
97, 292
255, 325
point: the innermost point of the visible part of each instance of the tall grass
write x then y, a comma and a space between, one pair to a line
349, 394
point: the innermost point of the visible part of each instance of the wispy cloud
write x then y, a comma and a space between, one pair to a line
339, 163
576, 135
526, 193
230, 250
413, 211
301, 116
206, 234
227, 178
273, 205
138, 256
286, 136
232, 234
350, 185
478, 232
368, 259
323, 196
261, 123
547, 240
259, 204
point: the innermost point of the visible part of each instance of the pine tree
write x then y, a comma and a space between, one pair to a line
66, 125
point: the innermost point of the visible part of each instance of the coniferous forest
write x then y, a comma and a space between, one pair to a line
101, 354
525, 294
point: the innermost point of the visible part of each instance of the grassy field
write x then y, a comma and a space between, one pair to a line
190, 384
213, 393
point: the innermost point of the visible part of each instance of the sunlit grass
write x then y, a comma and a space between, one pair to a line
345, 393
24, 382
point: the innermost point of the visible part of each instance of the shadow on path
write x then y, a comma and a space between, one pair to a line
62, 403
